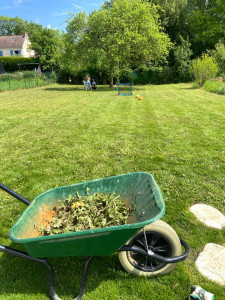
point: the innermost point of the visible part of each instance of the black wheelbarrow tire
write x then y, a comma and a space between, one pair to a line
165, 242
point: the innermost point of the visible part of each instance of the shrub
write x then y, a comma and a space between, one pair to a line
221, 90
52, 76
215, 87
4, 78
28, 74
204, 68
155, 75
11, 63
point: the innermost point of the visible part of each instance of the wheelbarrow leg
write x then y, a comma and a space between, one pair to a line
83, 280
22, 254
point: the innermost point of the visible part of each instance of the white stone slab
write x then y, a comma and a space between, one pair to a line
211, 263
209, 215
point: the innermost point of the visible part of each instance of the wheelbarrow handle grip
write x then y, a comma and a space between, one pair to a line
14, 194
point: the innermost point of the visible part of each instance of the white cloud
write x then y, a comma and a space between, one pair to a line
95, 4
62, 13
77, 6
49, 26
17, 2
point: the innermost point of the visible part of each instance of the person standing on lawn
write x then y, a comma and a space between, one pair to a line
88, 82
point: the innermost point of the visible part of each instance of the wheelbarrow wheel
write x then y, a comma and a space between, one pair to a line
161, 239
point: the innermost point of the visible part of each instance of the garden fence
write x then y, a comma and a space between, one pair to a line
25, 80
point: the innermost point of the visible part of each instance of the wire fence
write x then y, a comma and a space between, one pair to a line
26, 80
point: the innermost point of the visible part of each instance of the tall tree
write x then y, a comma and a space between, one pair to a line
202, 21
47, 44
172, 15
74, 55
124, 35
12, 26
208, 25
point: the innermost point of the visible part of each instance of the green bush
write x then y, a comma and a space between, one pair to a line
52, 76
4, 78
155, 75
215, 87
11, 63
219, 55
204, 68
221, 90
28, 74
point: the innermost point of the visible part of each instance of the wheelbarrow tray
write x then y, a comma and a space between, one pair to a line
139, 188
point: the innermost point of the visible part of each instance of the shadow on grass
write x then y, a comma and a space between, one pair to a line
190, 88
78, 88
65, 88
21, 276
81, 88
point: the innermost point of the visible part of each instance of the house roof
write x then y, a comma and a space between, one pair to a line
12, 41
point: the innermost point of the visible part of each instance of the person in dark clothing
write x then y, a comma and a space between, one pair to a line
93, 84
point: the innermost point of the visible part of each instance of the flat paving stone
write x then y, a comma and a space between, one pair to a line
211, 263
208, 215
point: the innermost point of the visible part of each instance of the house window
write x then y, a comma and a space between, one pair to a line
1, 53
17, 52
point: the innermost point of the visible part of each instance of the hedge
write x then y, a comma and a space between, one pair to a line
155, 75
11, 63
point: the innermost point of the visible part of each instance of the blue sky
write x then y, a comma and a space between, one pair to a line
51, 13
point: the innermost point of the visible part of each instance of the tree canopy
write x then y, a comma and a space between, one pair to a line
12, 26
127, 34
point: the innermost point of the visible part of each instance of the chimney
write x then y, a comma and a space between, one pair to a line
25, 34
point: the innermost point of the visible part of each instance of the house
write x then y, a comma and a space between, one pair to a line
16, 45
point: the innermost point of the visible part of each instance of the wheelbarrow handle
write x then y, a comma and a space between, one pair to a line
14, 194
22, 254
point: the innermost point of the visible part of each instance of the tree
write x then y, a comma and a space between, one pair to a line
74, 55
125, 35
207, 25
200, 20
12, 26
173, 16
182, 55
46, 43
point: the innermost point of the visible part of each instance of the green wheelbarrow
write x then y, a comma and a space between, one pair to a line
147, 246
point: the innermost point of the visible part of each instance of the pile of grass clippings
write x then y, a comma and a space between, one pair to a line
87, 212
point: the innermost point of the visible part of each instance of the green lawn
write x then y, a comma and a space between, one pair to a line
61, 134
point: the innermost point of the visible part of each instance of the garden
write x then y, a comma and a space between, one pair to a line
152, 128
63, 135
